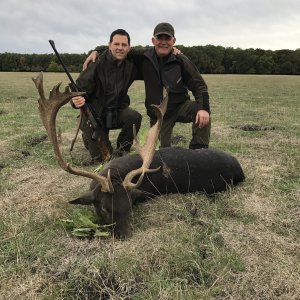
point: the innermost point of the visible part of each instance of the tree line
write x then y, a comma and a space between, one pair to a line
208, 59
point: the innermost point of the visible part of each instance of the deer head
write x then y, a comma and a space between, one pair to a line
105, 193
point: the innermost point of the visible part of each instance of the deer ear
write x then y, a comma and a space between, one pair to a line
137, 195
85, 199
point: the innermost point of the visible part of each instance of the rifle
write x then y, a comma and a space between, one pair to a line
86, 109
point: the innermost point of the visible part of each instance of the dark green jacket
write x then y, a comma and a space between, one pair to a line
177, 73
94, 82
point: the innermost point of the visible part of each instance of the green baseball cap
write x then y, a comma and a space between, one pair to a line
164, 28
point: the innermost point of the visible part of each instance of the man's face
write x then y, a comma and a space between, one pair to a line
119, 47
163, 44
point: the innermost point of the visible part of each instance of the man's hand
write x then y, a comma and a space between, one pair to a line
91, 58
176, 51
202, 118
78, 101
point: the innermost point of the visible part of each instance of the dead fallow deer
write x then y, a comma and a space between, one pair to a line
133, 178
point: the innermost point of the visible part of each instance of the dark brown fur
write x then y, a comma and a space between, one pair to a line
182, 171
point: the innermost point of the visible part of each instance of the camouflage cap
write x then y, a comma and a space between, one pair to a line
164, 28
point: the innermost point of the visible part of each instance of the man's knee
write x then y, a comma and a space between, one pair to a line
136, 118
132, 115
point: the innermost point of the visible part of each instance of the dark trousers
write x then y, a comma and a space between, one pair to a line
185, 113
126, 119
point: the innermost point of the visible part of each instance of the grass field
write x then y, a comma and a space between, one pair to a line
241, 244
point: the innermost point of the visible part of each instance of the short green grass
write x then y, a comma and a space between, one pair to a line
240, 244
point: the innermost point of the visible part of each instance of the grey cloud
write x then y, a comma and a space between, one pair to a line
76, 27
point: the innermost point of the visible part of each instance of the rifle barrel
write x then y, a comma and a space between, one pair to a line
61, 62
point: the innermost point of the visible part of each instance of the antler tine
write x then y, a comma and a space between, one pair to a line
48, 111
147, 151
38, 81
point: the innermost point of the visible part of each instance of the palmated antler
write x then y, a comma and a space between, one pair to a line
48, 112
147, 151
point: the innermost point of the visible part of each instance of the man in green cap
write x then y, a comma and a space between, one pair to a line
160, 68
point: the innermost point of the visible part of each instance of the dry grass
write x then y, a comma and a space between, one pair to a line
242, 244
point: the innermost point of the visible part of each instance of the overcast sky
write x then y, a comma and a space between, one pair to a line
77, 26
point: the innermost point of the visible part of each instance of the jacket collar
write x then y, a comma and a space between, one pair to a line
106, 55
152, 55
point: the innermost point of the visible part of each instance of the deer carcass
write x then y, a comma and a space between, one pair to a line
149, 173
